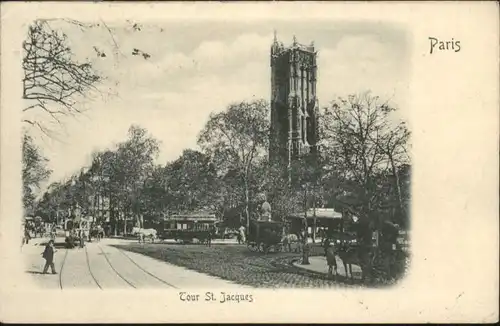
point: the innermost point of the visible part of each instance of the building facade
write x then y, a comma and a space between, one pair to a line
294, 104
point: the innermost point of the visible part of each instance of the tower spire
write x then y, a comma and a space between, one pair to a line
275, 36
294, 40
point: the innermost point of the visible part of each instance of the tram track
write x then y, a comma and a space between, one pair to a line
90, 269
137, 265
114, 269
61, 270
145, 271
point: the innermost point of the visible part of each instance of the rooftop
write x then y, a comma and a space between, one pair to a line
279, 47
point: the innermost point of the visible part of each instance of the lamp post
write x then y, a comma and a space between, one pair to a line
305, 250
314, 215
72, 209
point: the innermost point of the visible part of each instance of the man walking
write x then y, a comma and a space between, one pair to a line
27, 235
242, 234
48, 255
82, 239
211, 233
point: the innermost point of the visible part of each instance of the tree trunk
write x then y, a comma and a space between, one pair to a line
124, 224
247, 203
138, 220
398, 186
112, 217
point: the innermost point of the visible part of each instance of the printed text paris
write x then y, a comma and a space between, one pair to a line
443, 45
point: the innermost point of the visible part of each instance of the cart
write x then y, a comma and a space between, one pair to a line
265, 236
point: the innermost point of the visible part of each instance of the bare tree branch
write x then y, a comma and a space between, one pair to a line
53, 80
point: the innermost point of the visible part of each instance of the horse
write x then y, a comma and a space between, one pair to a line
145, 233
357, 255
290, 239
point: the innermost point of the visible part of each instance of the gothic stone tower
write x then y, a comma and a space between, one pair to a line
294, 106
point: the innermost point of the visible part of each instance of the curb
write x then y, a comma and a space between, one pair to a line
290, 266
296, 263
318, 275
308, 271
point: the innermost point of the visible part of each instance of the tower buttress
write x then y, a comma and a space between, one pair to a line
294, 105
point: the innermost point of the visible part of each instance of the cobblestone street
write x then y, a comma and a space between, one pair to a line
237, 264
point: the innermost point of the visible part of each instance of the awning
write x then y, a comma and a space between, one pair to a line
267, 222
191, 219
318, 213
194, 216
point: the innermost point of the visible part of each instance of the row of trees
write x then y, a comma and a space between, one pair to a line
34, 172
362, 167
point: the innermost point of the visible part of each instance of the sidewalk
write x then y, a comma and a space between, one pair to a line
318, 265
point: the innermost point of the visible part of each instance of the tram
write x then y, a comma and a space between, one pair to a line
76, 227
186, 228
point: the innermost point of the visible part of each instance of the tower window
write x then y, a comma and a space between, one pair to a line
303, 128
309, 128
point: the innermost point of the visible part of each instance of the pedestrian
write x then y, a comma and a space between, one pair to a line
242, 234
326, 245
98, 233
48, 255
27, 235
53, 232
81, 236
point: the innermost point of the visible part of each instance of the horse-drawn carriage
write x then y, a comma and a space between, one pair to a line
77, 230
187, 227
265, 236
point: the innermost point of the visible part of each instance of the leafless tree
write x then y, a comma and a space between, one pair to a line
53, 80
362, 141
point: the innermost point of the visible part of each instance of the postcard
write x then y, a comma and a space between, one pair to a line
249, 162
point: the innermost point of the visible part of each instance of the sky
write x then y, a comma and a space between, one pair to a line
199, 68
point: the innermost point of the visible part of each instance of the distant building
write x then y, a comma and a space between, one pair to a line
294, 104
